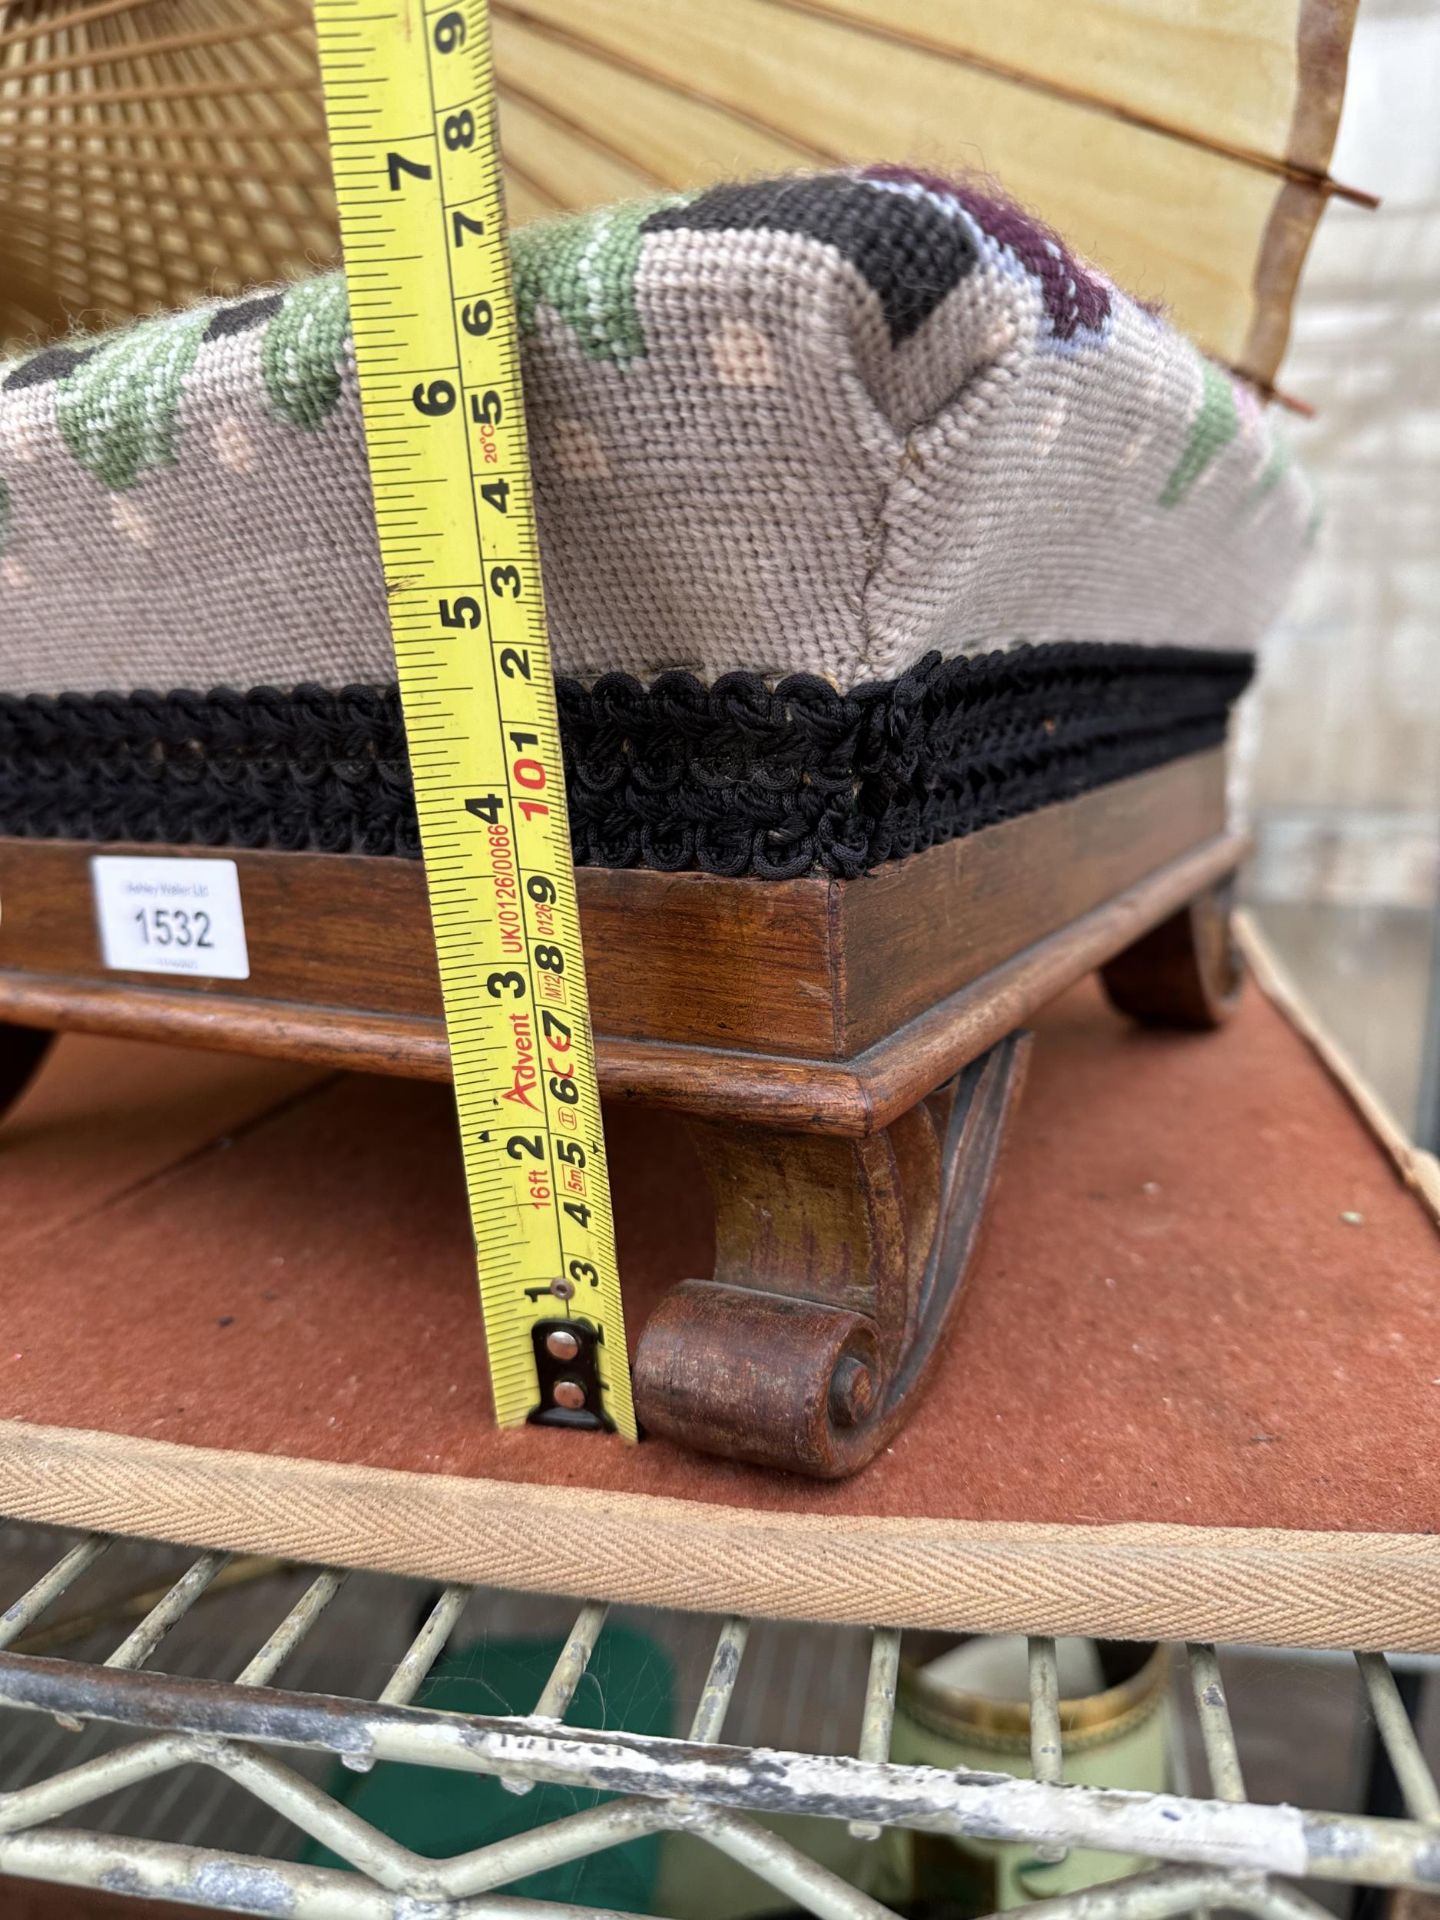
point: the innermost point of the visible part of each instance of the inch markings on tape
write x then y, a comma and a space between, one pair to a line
409, 95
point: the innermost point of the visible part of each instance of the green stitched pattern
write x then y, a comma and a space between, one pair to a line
300, 354
584, 265
119, 411
1279, 463
1212, 429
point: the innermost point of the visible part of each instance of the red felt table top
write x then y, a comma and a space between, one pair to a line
1205, 1297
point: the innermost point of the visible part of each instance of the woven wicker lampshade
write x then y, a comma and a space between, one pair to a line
152, 151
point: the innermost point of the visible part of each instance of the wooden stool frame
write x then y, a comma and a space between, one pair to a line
849, 1055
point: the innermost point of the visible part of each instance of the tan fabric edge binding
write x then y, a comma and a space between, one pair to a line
1127, 1582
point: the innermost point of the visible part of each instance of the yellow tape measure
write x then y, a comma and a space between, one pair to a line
409, 94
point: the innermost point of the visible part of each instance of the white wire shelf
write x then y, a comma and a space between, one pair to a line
153, 1749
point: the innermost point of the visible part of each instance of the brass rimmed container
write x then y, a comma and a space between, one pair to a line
966, 1705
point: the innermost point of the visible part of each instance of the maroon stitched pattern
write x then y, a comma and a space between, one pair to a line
1074, 296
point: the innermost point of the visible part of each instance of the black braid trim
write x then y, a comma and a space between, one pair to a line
310, 769
740, 778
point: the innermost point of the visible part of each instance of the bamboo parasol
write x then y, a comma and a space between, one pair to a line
155, 150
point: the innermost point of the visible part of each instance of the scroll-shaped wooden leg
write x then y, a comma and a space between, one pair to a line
837, 1263
21, 1051
1187, 972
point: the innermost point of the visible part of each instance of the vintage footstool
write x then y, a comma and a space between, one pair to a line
902, 576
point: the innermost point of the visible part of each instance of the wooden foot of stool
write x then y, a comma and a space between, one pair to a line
1187, 972
837, 1263
21, 1051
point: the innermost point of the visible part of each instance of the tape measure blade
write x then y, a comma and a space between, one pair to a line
409, 98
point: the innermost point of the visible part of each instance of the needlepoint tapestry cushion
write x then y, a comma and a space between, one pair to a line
870, 514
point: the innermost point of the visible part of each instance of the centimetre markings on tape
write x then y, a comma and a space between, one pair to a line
409, 96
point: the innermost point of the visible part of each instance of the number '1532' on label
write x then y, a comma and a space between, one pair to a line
170, 916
